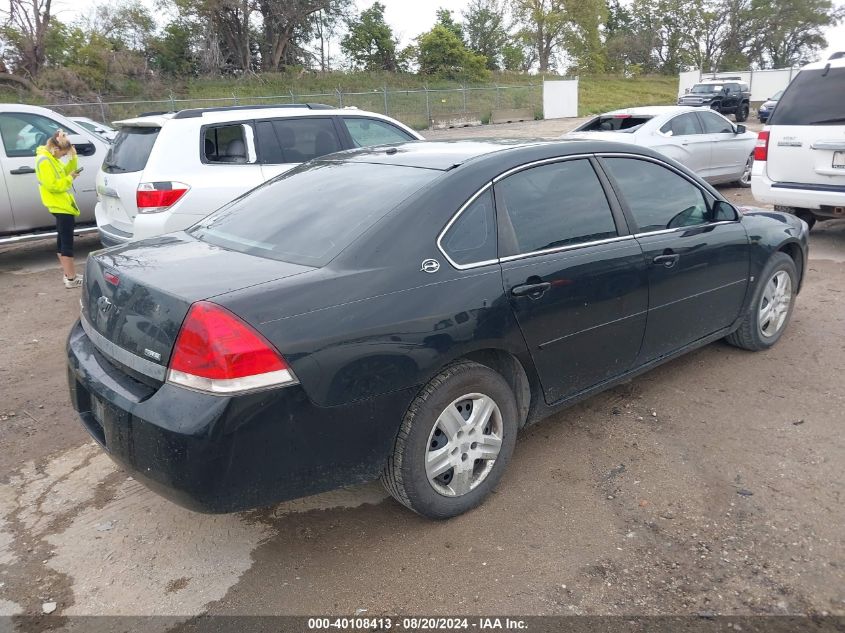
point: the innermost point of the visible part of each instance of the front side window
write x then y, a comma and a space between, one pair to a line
472, 238
554, 205
226, 144
296, 140
715, 124
365, 132
657, 197
23, 132
683, 125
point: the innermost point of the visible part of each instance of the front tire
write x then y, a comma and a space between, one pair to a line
454, 442
771, 306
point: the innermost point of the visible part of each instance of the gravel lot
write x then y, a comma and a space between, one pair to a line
710, 485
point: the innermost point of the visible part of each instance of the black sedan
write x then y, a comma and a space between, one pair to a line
402, 311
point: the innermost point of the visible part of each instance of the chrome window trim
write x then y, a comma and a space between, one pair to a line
684, 228
568, 247
536, 163
125, 357
454, 219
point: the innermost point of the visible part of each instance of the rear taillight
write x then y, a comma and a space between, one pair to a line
155, 197
761, 150
216, 352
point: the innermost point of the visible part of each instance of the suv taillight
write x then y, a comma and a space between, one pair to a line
155, 197
761, 150
216, 352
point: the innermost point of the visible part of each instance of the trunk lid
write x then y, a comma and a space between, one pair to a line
136, 296
123, 169
807, 129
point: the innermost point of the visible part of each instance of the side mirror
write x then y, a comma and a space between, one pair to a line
724, 212
686, 90
739, 129
83, 146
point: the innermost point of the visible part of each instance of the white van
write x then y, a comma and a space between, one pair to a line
164, 172
799, 161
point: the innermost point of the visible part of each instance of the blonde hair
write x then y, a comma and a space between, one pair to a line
59, 141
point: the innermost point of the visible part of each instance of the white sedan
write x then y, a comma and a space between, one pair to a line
704, 141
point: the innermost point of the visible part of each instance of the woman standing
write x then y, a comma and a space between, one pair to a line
55, 180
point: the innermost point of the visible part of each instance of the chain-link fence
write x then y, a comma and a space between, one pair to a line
414, 108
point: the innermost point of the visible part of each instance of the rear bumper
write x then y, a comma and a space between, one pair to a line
223, 454
768, 191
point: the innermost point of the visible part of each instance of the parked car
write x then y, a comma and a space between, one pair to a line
100, 129
767, 106
167, 171
726, 96
401, 312
23, 128
705, 142
799, 162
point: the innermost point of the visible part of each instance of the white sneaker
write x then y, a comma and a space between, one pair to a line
76, 282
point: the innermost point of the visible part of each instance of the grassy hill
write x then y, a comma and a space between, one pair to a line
410, 98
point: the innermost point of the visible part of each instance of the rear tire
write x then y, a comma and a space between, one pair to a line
771, 306
745, 179
454, 442
741, 113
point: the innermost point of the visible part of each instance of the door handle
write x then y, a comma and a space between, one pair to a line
535, 291
667, 261
22, 170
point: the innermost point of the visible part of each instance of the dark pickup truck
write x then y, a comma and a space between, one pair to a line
724, 96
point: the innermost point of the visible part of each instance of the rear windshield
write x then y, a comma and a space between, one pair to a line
130, 149
310, 214
813, 98
615, 123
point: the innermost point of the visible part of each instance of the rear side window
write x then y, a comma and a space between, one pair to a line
472, 238
614, 123
226, 144
296, 140
131, 149
310, 214
683, 125
657, 197
554, 205
814, 97
365, 132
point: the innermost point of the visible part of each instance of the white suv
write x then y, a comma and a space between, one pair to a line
165, 172
799, 162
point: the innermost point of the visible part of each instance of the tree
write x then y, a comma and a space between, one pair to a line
171, 52
25, 30
544, 22
442, 53
486, 34
370, 43
794, 32
445, 19
582, 36
287, 24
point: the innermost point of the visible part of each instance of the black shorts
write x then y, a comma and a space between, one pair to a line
64, 233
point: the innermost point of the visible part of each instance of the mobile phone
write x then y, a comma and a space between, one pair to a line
79, 170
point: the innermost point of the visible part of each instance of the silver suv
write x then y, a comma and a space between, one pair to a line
165, 172
23, 128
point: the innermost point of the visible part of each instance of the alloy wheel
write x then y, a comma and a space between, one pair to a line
775, 303
463, 445
746, 174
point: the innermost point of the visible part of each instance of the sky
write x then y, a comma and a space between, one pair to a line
409, 18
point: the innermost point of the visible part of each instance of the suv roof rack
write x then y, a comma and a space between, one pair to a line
198, 112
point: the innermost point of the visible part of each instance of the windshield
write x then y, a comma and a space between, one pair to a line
813, 98
130, 149
615, 123
310, 214
776, 96
705, 88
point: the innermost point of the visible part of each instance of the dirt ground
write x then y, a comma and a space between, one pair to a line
711, 485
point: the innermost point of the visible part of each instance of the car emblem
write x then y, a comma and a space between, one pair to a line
152, 354
104, 305
430, 266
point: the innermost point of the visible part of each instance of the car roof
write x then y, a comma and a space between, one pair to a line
240, 113
445, 155
839, 62
652, 110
